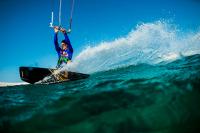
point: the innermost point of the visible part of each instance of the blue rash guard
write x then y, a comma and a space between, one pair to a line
63, 55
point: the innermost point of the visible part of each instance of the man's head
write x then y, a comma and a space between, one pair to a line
64, 45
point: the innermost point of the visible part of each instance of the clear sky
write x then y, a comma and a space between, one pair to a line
27, 40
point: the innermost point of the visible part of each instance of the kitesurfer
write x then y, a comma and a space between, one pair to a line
65, 52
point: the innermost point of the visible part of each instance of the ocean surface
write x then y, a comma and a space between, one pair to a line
145, 82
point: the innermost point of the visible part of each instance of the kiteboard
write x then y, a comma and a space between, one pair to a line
36, 75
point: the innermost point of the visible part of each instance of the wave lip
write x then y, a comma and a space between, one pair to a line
148, 43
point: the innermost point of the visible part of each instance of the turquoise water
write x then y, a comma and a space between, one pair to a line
159, 98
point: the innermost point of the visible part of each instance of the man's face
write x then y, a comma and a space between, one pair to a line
64, 46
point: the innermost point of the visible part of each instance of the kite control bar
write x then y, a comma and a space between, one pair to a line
59, 27
60, 15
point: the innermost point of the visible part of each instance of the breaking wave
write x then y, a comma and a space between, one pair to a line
149, 43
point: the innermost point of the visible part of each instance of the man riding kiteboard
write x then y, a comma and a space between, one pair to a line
65, 52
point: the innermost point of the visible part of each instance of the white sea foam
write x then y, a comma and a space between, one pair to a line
149, 43
4, 84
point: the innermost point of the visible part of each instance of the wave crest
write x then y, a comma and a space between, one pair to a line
149, 43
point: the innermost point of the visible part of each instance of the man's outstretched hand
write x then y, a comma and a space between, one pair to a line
63, 30
56, 29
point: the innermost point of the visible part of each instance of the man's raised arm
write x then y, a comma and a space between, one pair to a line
56, 39
68, 42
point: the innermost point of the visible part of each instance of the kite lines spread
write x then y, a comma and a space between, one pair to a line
60, 15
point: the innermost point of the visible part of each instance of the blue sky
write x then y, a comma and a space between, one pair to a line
26, 39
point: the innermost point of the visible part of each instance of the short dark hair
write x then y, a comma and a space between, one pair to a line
63, 41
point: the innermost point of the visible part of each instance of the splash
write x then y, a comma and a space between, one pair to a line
149, 43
